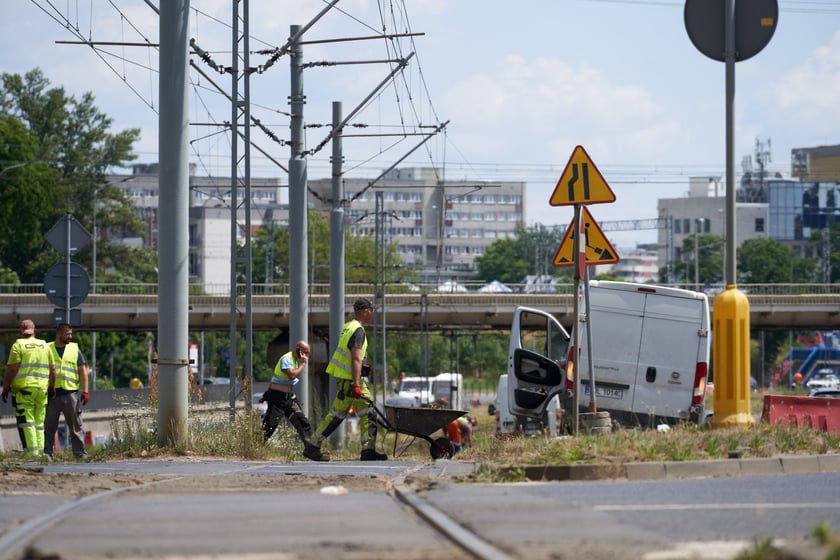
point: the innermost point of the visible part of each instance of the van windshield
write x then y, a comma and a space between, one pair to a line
416, 385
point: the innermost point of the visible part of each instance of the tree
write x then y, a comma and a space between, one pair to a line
479, 354
271, 254
709, 260
67, 147
532, 251
26, 207
767, 261
503, 262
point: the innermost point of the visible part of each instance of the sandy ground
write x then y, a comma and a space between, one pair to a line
34, 481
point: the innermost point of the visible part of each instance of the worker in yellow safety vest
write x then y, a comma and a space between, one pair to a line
346, 366
71, 376
280, 399
30, 378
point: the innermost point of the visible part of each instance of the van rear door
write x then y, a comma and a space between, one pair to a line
674, 344
539, 346
615, 319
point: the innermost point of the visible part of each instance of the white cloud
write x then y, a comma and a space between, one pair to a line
550, 106
810, 91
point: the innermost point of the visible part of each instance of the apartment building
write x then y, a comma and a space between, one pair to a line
439, 226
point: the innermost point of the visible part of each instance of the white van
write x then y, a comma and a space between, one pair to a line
507, 422
650, 355
449, 386
417, 388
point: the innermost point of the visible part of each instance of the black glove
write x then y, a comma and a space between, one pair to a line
5, 394
50, 394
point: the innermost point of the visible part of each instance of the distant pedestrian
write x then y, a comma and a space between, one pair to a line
30, 378
72, 375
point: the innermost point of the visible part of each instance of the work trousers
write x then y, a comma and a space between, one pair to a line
70, 406
30, 407
338, 412
285, 404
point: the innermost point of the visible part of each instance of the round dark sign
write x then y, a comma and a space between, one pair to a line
755, 23
55, 284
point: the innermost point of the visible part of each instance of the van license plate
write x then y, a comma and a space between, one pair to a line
607, 392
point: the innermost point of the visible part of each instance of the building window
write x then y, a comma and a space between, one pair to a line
759, 224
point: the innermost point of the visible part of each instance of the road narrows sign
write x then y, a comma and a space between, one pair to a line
581, 183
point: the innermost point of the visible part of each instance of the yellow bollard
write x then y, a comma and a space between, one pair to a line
731, 358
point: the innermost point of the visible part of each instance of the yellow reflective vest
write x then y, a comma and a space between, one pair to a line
66, 366
35, 360
280, 377
340, 365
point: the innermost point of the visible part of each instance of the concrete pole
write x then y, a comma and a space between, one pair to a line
336, 255
298, 219
173, 256
233, 355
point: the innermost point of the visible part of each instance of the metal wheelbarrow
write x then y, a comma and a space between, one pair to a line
419, 423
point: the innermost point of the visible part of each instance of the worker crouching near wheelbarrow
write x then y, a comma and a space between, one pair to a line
352, 391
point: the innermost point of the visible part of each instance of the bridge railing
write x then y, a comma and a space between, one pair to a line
420, 288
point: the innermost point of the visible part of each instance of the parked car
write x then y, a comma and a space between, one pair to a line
824, 379
402, 401
826, 393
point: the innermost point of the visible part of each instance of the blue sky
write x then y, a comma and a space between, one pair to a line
520, 84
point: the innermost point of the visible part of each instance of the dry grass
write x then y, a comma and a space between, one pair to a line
688, 442
135, 436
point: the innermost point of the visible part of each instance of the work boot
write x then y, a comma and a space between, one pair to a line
372, 455
314, 453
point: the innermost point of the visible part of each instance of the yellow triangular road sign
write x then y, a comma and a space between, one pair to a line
598, 249
581, 183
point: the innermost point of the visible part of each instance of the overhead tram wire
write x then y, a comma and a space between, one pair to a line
65, 22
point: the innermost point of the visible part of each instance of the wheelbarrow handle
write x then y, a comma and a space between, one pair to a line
379, 416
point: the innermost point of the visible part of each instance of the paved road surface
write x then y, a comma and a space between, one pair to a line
398, 510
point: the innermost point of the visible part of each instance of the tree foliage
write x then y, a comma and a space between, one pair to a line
530, 252
767, 261
271, 256
478, 355
55, 150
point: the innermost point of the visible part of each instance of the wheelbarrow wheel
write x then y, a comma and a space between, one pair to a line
442, 447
